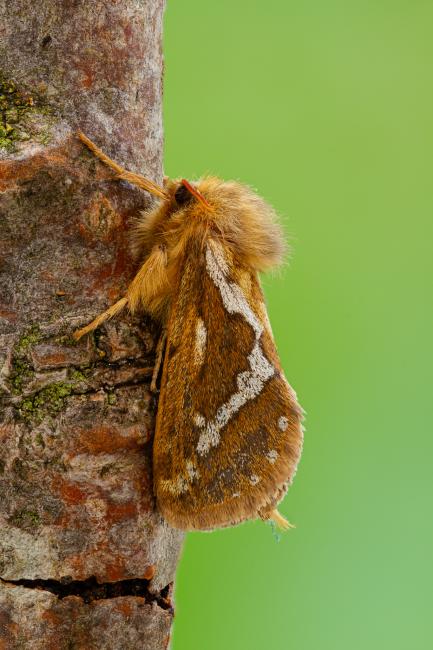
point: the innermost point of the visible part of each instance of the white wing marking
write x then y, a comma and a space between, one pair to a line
250, 383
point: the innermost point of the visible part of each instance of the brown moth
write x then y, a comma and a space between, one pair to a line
228, 430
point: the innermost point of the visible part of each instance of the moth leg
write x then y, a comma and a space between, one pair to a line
150, 281
109, 313
135, 179
158, 360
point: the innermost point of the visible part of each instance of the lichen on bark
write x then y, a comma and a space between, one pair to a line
23, 117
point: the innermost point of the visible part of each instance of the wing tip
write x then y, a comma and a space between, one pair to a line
281, 522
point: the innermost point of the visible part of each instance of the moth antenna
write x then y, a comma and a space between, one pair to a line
135, 179
109, 313
280, 521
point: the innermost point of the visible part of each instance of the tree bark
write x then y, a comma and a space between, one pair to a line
85, 561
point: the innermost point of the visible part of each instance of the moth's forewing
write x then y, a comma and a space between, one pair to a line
228, 434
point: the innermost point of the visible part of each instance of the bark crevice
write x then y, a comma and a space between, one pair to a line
90, 589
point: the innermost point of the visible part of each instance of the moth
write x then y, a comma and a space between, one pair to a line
228, 434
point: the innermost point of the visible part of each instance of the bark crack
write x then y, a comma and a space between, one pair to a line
90, 589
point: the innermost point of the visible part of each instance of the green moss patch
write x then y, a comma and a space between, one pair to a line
22, 371
25, 519
77, 376
48, 401
30, 337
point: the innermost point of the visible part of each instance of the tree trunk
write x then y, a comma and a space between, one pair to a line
85, 561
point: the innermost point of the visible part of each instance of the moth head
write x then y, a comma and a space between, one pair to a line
226, 209
186, 193
177, 195
182, 208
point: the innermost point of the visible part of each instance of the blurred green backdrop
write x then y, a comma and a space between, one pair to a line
326, 108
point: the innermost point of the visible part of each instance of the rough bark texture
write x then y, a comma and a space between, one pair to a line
85, 562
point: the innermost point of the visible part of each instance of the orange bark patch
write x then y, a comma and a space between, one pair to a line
101, 218
119, 511
71, 493
113, 294
100, 275
53, 359
124, 607
107, 440
77, 568
13, 171
51, 617
46, 275
5, 431
8, 314
116, 570
87, 81
122, 266
150, 572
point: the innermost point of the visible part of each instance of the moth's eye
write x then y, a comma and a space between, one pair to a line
182, 195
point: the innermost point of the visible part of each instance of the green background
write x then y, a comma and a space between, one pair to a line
326, 108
